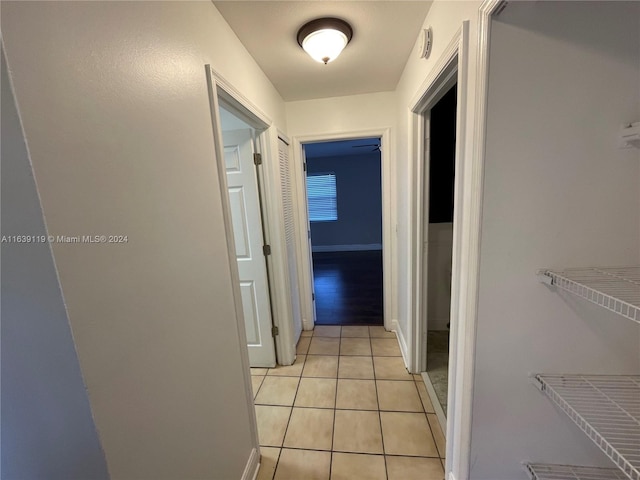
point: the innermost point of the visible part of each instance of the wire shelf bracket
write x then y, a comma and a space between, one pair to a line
606, 408
539, 471
616, 289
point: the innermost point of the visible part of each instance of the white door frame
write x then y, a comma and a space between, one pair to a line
272, 214
468, 195
450, 68
304, 253
467, 252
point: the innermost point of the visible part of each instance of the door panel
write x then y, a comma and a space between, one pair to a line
247, 231
289, 227
239, 218
249, 302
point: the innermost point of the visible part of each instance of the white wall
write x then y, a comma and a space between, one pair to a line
439, 275
341, 114
445, 18
558, 193
115, 107
47, 427
327, 117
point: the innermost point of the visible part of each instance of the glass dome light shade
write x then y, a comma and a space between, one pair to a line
324, 46
324, 38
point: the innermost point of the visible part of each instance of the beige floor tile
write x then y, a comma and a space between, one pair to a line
268, 461
303, 464
303, 345
380, 332
294, 370
306, 333
355, 346
259, 371
385, 347
272, 423
417, 377
355, 367
438, 436
320, 366
414, 468
357, 431
356, 395
324, 346
277, 391
407, 434
255, 384
390, 368
397, 396
424, 396
310, 428
316, 392
327, 331
355, 331
352, 466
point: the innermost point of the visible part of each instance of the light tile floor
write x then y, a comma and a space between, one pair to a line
346, 410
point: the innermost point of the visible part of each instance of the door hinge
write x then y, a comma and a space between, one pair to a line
266, 249
313, 296
304, 166
257, 158
309, 234
274, 331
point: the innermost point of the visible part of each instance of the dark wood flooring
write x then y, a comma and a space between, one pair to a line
348, 288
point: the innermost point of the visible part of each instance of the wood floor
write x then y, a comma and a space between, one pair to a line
348, 288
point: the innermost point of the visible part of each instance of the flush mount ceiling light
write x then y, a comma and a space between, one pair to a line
324, 38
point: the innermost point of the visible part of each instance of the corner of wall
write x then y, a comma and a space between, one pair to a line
404, 348
253, 466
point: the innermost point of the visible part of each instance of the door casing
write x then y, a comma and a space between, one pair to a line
388, 205
220, 90
450, 69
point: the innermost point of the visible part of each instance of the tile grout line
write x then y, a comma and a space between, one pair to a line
426, 415
375, 384
284, 436
335, 405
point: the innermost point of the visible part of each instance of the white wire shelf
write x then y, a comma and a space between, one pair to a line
606, 408
538, 471
615, 288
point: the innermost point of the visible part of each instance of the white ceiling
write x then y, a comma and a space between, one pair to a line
384, 33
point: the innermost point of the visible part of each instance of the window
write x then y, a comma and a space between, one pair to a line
321, 194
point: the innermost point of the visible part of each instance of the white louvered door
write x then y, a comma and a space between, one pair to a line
290, 236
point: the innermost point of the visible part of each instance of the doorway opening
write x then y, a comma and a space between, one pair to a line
344, 203
243, 187
440, 133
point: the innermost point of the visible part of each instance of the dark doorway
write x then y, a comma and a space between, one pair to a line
344, 192
442, 153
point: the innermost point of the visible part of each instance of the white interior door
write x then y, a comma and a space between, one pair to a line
310, 250
247, 231
290, 238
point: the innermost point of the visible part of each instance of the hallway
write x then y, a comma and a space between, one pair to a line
346, 410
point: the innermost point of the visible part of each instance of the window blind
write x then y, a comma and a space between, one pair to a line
321, 194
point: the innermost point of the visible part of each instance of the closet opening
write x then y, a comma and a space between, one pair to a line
440, 153
344, 204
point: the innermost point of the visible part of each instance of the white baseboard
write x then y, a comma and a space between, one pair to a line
253, 465
307, 324
346, 248
404, 349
